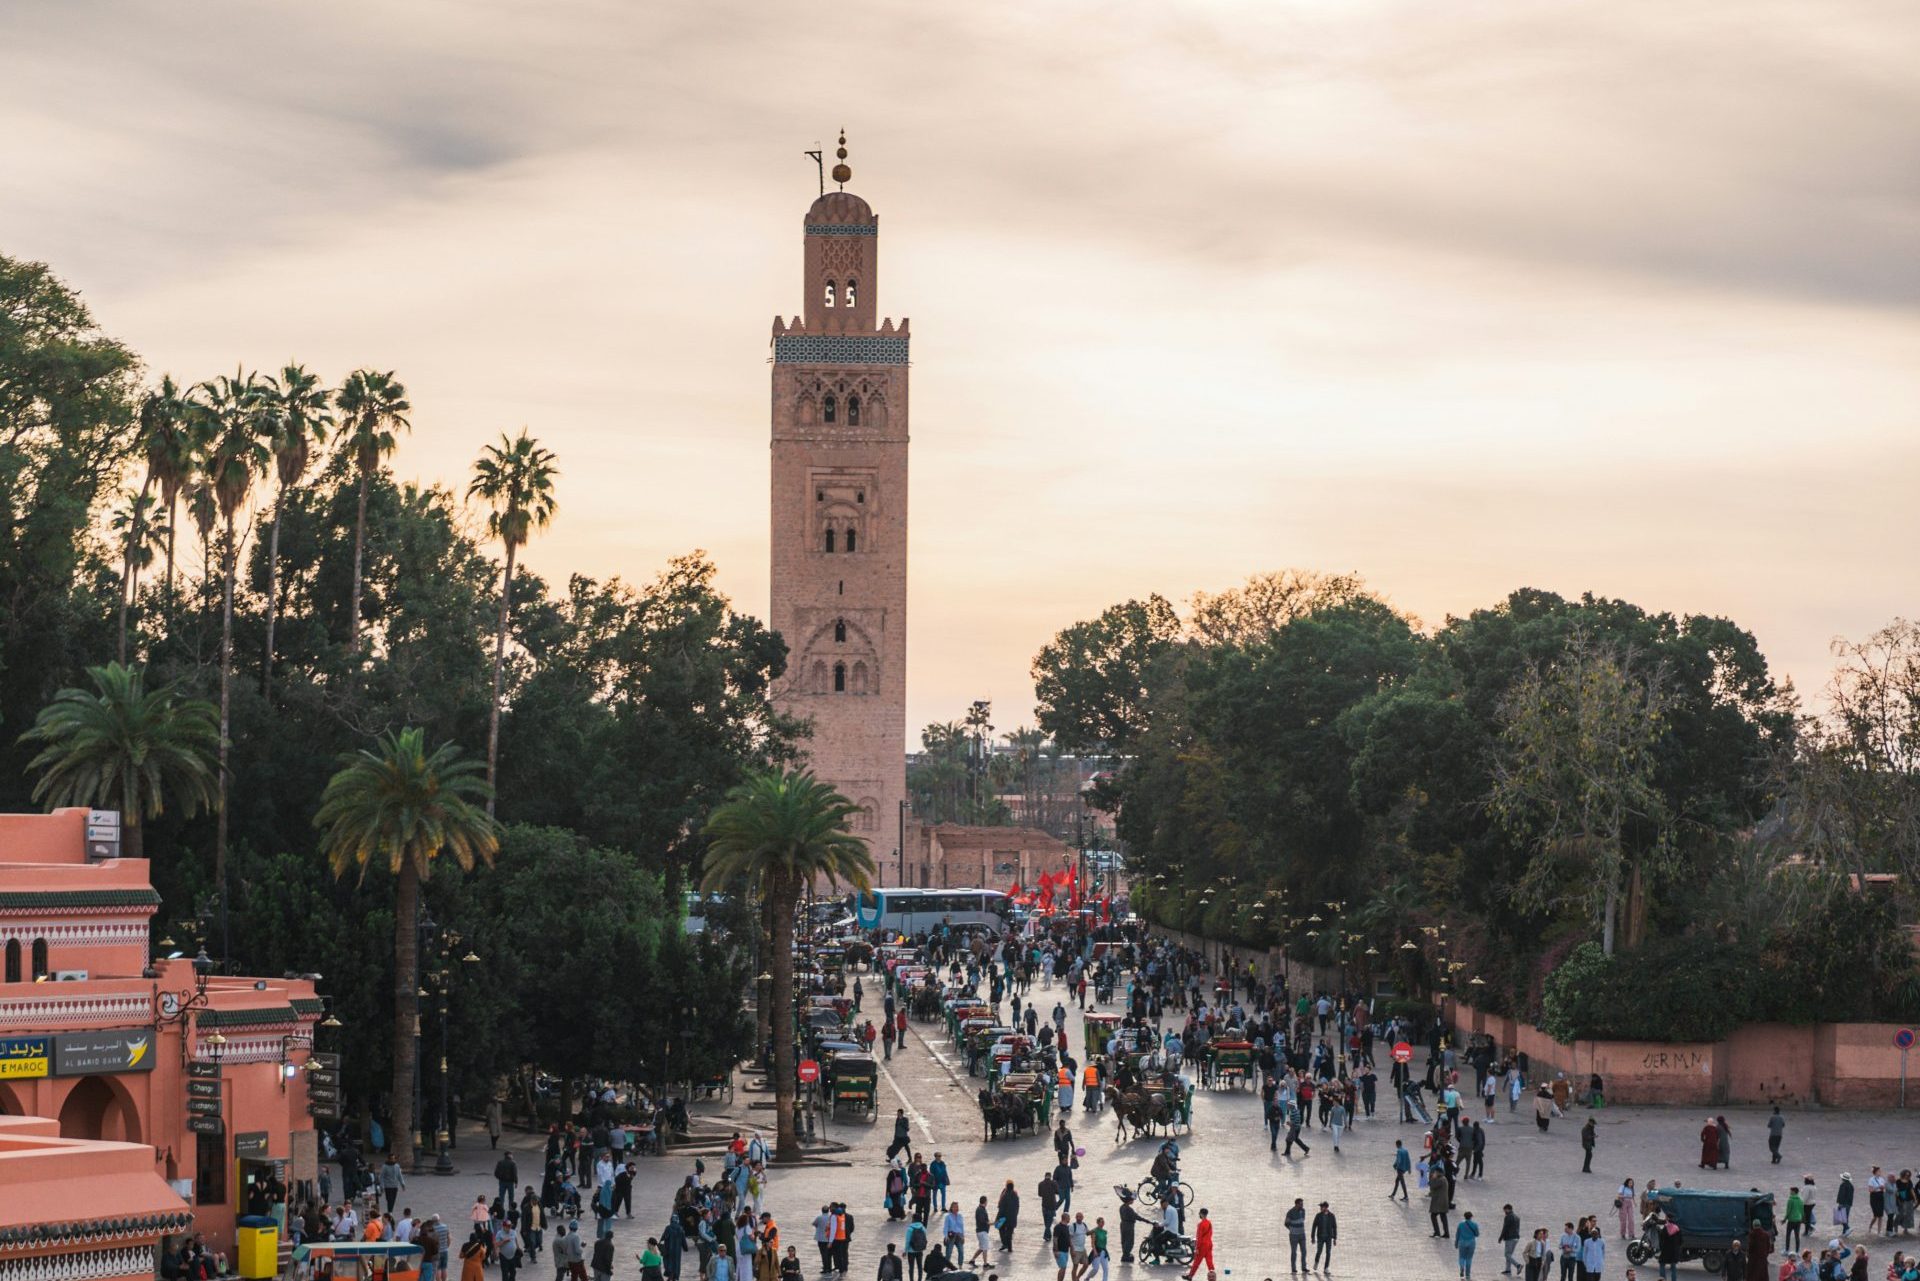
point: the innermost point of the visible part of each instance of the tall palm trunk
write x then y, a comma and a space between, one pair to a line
499, 665
406, 1007
227, 567
273, 590
783, 893
359, 550
173, 520
126, 594
762, 1016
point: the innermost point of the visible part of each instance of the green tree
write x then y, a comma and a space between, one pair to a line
139, 536
236, 456
1575, 779
297, 420
125, 747
168, 442
402, 805
373, 405
516, 477
1095, 680
778, 833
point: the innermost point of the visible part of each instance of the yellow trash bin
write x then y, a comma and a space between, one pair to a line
258, 1248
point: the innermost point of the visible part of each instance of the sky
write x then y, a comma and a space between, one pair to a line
1620, 296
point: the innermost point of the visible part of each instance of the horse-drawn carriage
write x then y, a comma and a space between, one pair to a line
1015, 1104
855, 1081
1154, 1102
1099, 1029
1229, 1063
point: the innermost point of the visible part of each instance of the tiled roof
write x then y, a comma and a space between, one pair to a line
79, 898
246, 1018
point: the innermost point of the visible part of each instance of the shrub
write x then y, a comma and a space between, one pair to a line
1688, 988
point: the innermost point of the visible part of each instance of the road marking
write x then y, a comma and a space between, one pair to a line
912, 1112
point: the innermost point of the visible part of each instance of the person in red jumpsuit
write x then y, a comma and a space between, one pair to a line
1202, 1247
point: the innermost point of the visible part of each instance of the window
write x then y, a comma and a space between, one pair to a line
843, 588
859, 495
839, 631
13, 960
850, 285
859, 678
819, 678
829, 293
826, 410
849, 538
829, 538
853, 411
819, 495
839, 678
40, 958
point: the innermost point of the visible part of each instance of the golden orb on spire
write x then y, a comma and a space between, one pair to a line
841, 173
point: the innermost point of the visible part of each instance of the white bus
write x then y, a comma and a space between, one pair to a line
908, 911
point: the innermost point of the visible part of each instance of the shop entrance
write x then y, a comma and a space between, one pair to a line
97, 1108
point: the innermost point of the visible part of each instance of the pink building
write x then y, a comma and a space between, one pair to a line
208, 1074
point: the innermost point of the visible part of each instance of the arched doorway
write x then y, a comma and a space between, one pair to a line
11, 1103
98, 1108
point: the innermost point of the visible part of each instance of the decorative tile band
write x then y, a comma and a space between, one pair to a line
842, 229
839, 349
78, 933
85, 1265
77, 1011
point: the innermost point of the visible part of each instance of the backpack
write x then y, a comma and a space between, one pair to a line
916, 1237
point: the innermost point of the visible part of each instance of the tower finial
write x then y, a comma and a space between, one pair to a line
841, 173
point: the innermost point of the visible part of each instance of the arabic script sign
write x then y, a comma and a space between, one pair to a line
25, 1056
88, 1053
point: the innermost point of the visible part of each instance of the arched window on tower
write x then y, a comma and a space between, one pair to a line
850, 285
839, 678
826, 410
859, 678
853, 411
839, 631
850, 533
829, 293
829, 538
13, 960
40, 970
819, 678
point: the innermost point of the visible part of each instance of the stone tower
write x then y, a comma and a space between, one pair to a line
839, 545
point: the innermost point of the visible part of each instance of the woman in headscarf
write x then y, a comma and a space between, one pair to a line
1709, 1145
673, 1242
1723, 1146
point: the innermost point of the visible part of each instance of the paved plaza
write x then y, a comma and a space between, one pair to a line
1244, 1186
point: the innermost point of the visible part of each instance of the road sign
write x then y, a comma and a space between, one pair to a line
1904, 1038
1403, 1053
322, 1076
206, 1125
809, 1071
329, 1061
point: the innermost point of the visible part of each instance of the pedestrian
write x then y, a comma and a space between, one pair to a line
1008, 1217
842, 1236
1623, 1205
1593, 1255
1776, 1130
1326, 1234
1509, 1240
1723, 1142
1709, 1145
1439, 1201
1049, 1195
1202, 1246
1337, 1121
603, 1259
1402, 1163
1843, 1205
1542, 1107
473, 1261
1097, 1256
823, 1238
902, 1135
1464, 1242
1294, 1119
1668, 1247
1130, 1219
507, 1176
1588, 1133
1062, 1246
889, 1269
1569, 1253
1539, 1256
493, 1123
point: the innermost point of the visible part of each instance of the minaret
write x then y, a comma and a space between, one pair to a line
839, 582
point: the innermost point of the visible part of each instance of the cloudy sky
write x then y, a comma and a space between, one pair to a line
1620, 296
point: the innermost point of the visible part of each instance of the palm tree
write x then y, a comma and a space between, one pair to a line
167, 438
139, 537
236, 456
404, 806
780, 833
516, 476
298, 418
372, 405
125, 747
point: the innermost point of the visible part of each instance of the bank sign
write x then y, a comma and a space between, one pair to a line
103, 1053
25, 1056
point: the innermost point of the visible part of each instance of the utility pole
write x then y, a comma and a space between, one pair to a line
901, 850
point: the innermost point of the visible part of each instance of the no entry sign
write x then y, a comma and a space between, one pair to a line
1403, 1053
809, 1071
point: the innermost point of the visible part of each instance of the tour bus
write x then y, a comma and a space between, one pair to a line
907, 911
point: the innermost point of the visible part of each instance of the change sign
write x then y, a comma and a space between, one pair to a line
103, 1053
23, 1057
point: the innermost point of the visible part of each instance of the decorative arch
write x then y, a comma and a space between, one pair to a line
12, 971
860, 678
40, 967
99, 1107
830, 293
